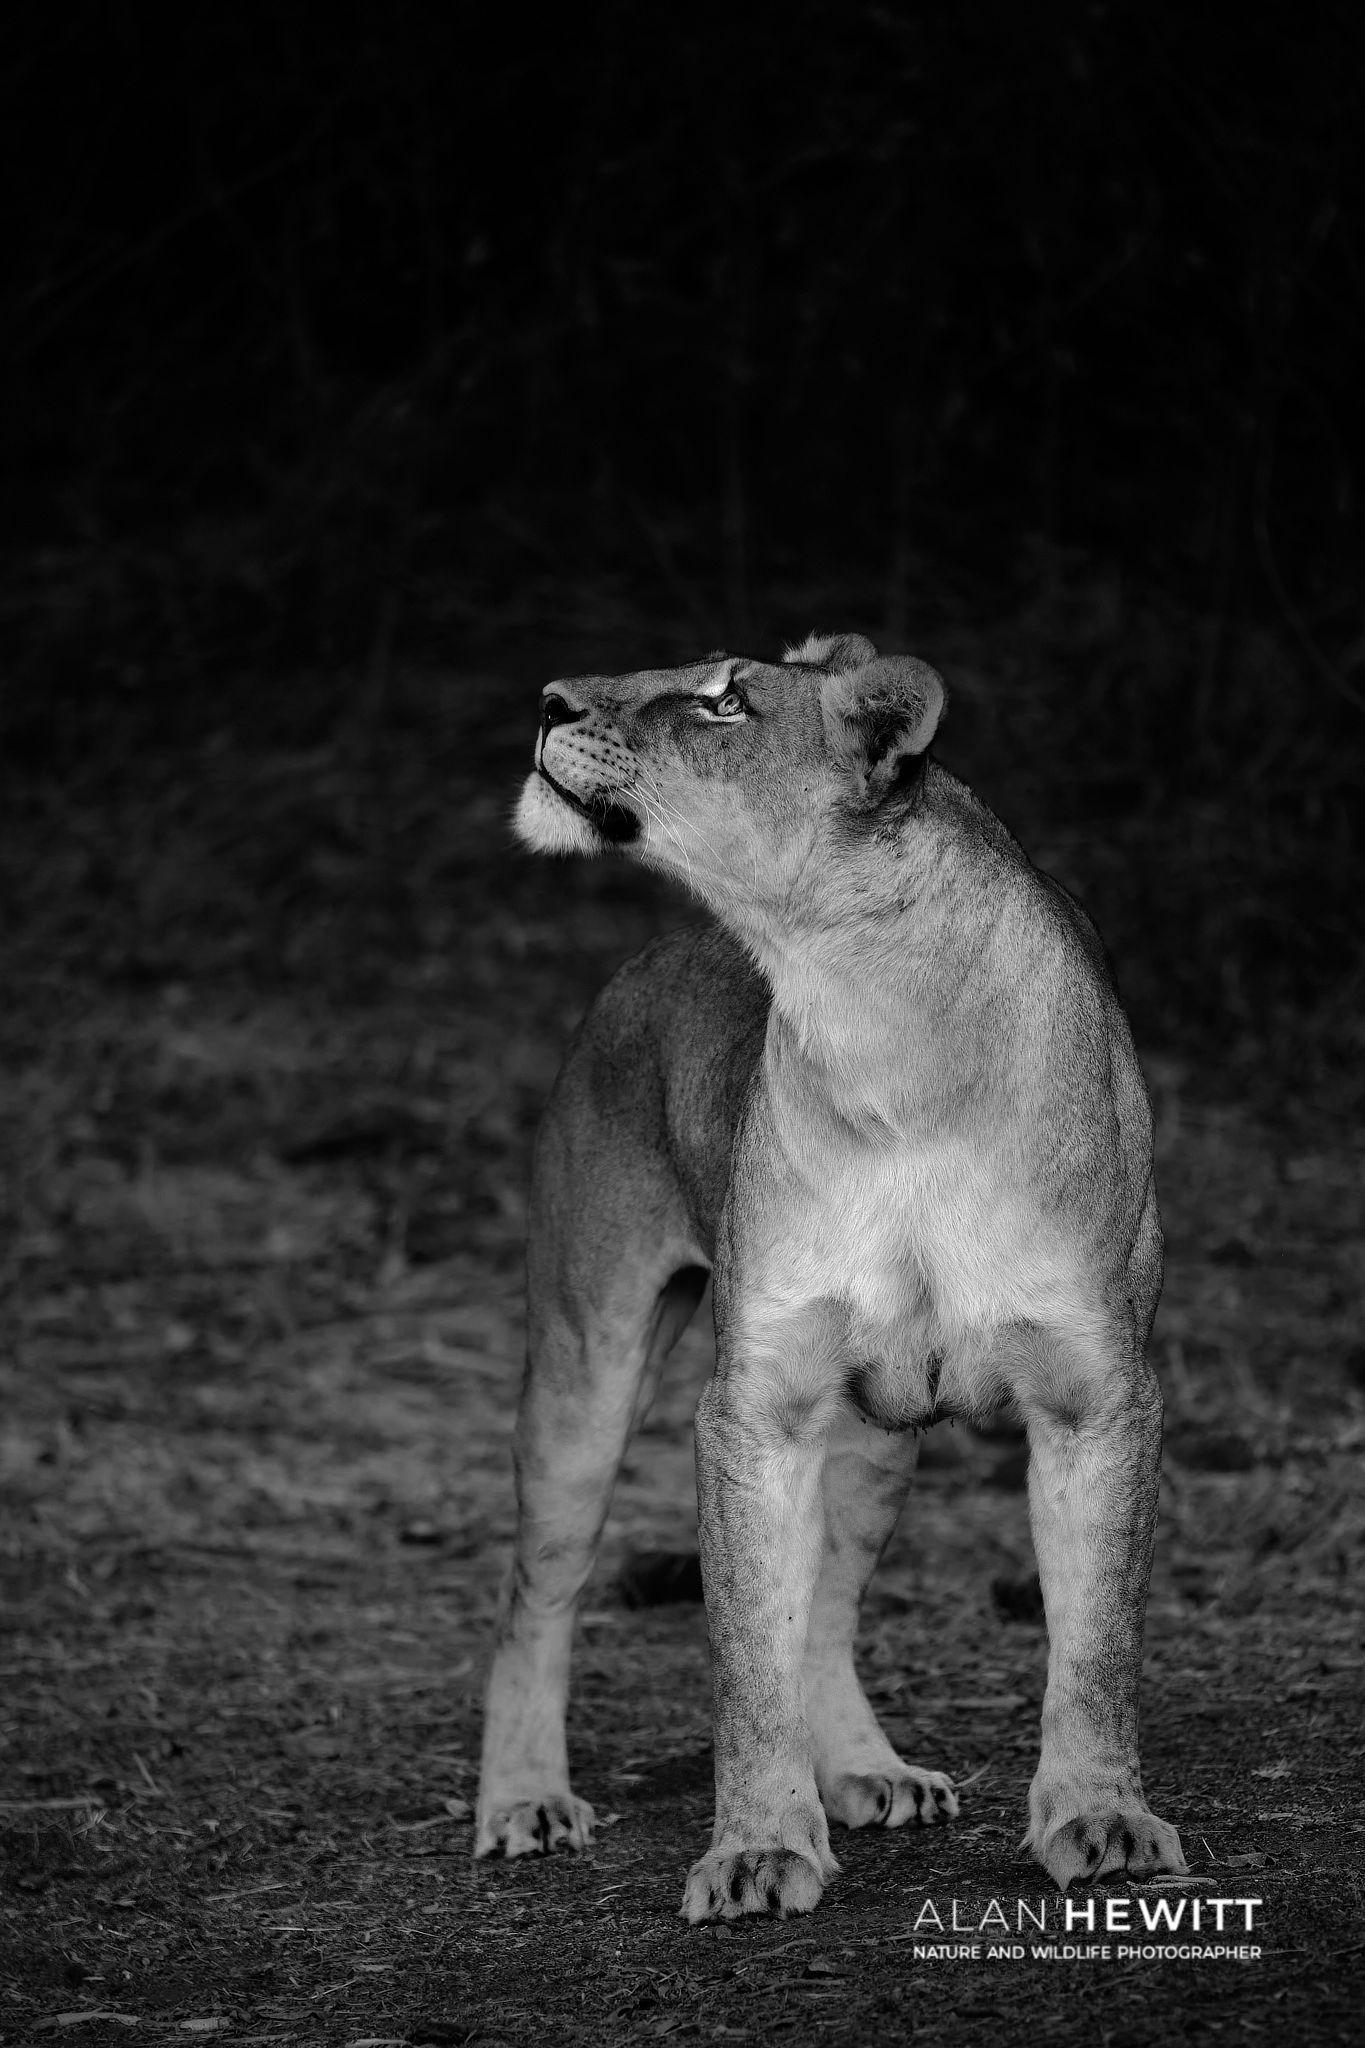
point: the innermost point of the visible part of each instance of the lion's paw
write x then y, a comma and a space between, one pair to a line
724, 1886
1104, 1843
891, 1798
533, 1827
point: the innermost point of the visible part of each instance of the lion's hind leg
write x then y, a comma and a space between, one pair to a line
862, 1780
590, 1373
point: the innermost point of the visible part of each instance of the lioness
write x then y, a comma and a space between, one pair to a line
891, 1105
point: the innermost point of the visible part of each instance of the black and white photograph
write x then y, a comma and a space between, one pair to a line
682, 1052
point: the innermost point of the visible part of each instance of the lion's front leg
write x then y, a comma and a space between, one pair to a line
1094, 1470
759, 1458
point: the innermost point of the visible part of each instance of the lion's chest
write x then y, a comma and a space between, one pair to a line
933, 1254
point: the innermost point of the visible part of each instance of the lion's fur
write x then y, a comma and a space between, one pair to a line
892, 1104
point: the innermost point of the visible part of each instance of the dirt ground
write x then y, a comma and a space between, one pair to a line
275, 1034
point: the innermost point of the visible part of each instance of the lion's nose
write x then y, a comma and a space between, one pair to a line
555, 710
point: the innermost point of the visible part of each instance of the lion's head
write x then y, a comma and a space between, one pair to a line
732, 774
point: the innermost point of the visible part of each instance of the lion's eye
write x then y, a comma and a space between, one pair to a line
731, 705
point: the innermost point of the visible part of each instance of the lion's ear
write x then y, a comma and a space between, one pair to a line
879, 719
832, 651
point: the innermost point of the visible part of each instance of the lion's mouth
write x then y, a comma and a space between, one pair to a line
617, 825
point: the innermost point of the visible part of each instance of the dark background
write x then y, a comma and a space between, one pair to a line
363, 369
337, 349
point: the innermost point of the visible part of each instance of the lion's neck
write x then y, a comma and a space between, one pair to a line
890, 948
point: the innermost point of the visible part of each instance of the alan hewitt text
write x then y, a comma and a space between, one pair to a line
1111, 1929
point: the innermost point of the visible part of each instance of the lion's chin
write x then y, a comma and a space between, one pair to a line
549, 822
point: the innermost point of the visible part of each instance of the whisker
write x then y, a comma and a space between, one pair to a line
670, 809
655, 812
654, 815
